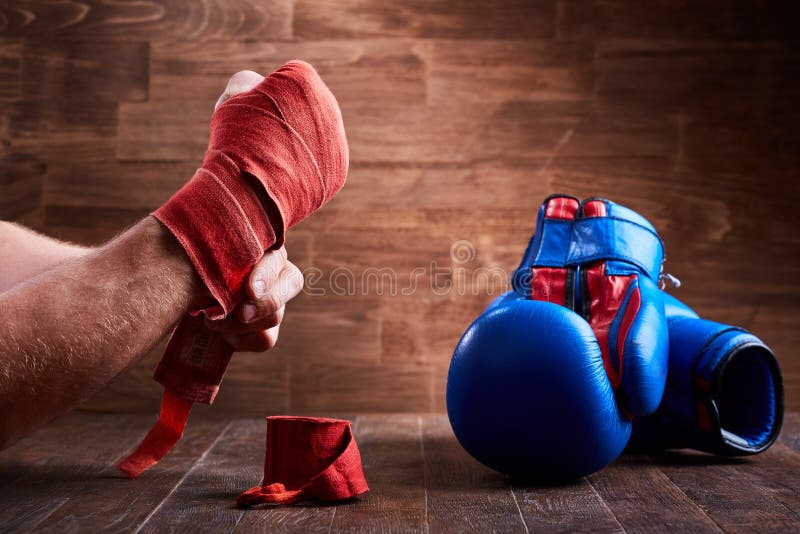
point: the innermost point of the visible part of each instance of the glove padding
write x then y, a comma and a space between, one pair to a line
724, 392
543, 384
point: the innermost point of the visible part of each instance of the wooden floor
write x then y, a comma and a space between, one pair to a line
62, 479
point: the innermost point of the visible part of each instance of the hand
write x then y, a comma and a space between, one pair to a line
254, 325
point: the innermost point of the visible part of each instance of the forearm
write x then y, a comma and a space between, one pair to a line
69, 331
26, 254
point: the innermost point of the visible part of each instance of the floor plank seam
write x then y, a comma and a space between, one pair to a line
697, 504
771, 493
67, 498
424, 472
51, 512
608, 507
516, 502
333, 516
197, 462
239, 517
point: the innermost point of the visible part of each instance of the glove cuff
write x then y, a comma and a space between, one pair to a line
739, 391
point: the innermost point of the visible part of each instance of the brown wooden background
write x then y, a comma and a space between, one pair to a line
462, 116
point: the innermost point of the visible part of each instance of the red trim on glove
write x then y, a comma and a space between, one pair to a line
549, 284
606, 294
629, 315
563, 208
595, 208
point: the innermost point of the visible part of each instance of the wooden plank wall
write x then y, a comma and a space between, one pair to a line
462, 116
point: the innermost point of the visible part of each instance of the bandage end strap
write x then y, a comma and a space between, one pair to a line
191, 370
194, 361
161, 438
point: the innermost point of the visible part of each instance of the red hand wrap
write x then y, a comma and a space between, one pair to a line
276, 154
283, 140
308, 458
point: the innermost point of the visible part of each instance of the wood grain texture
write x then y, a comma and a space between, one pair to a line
448, 18
747, 494
462, 115
203, 500
61, 478
463, 495
663, 19
114, 503
54, 469
575, 507
148, 20
392, 453
669, 509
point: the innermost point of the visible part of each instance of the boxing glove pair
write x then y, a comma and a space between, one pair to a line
545, 383
723, 392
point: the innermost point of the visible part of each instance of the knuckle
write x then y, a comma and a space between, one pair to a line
270, 265
242, 81
270, 304
294, 280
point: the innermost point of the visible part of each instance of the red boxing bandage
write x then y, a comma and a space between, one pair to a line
308, 458
276, 154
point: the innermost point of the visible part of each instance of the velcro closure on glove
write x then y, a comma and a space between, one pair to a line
610, 238
599, 238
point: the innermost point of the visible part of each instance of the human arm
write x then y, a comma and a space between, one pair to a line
70, 330
67, 332
74, 327
27, 253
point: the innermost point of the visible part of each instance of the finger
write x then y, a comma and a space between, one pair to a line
288, 284
265, 273
256, 341
240, 82
233, 326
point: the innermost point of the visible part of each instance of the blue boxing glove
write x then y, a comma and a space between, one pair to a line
724, 391
545, 382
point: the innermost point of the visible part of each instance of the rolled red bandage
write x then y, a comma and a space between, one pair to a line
276, 154
308, 458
